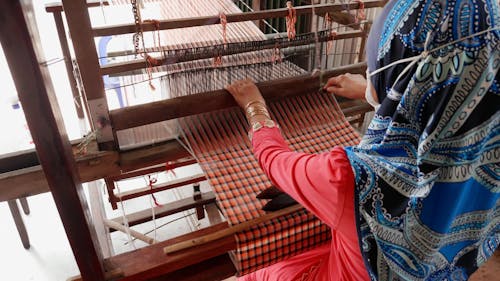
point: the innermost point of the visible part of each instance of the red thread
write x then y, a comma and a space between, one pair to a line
333, 34
156, 32
360, 14
330, 42
151, 62
152, 181
169, 167
223, 22
291, 20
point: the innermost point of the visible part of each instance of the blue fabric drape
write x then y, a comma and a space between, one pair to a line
428, 169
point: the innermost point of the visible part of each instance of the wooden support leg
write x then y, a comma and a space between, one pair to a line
24, 204
18, 220
110, 186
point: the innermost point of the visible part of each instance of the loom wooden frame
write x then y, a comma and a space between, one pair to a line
149, 262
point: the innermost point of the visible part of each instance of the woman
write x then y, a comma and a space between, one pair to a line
418, 199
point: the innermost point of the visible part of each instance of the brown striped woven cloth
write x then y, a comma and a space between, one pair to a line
310, 123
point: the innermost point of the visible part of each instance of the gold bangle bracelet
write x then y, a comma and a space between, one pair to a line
254, 102
251, 109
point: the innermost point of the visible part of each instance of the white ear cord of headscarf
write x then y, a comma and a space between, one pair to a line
412, 61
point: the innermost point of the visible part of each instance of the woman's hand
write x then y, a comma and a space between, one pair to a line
245, 92
351, 86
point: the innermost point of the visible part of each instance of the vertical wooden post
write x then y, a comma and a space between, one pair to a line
20, 42
61, 33
77, 17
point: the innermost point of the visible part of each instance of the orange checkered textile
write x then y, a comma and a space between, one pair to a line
310, 123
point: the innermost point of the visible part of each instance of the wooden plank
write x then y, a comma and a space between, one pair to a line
20, 42
167, 209
237, 17
56, 7
31, 181
130, 194
151, 262
78, 20
18, 160
136, 234
139, 115
155, 169
225, 50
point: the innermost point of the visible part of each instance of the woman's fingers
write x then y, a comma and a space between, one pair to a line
244, 91
338, 91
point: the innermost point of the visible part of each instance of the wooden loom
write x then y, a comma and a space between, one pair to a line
110, 163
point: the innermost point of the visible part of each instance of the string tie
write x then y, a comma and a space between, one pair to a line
360, 13
291, 20
151, 62
329, 46
152, 181
223, 23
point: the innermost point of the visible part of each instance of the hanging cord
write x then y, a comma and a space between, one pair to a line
360, 12
165, 224
291, 20
425, 53
101, 5
138, 39
329, 26
150, 182
124, 218
187, 146
223, 22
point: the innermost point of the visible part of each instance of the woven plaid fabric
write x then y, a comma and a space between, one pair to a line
310, 123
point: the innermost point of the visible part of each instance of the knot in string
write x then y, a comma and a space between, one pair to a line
291, 20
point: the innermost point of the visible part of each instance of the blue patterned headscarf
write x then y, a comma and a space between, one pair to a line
428, 170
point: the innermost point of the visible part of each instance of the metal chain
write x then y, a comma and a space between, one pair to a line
138, 28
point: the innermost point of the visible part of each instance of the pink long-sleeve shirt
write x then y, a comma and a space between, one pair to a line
323, 184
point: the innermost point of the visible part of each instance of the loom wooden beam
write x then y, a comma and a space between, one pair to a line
167, 209
77, 17
237, 17
21, 44
131, 194
149, 263
58, 7
114, 68
139, 115
95, 165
